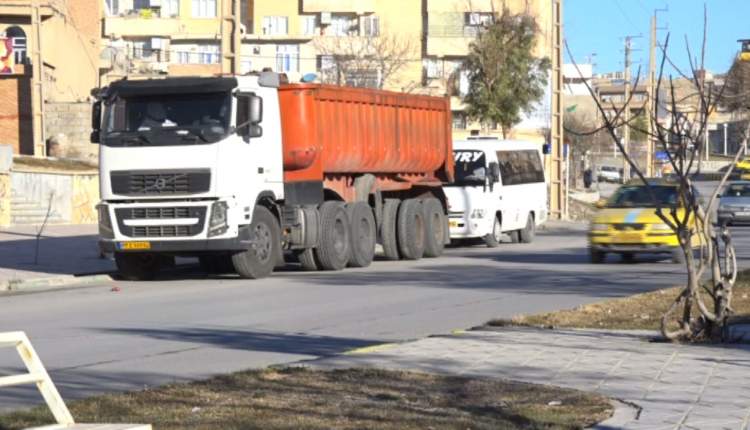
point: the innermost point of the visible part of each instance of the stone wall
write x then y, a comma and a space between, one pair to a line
4, 199
68, 128
73, 195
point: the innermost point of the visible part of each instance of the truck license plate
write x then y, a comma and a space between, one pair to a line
134, 246
453, 223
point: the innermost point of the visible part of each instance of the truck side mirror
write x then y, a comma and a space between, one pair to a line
249, 115
96, 122
255, 107
494, 171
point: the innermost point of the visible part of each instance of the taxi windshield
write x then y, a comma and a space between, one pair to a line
638, 196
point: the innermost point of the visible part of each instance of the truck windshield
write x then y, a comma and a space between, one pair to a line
471, 168
167, 119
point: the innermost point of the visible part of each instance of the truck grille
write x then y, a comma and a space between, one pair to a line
161, 231
160, 182
455, 214
168, 215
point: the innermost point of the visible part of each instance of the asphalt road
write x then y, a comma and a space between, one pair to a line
187, 326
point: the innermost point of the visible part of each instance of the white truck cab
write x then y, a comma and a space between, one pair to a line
500, 189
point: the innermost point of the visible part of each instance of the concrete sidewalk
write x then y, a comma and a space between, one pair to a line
668, 386
65, 251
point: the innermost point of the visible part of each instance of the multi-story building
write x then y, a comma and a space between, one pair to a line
54, 49
401, 45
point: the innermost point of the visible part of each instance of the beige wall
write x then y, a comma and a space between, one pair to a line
4, 199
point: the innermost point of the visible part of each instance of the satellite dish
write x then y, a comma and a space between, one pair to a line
309, 77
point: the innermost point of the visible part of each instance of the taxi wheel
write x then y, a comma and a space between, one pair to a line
596, 257
678, 257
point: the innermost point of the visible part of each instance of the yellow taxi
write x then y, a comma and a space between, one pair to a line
742, 169
627, 224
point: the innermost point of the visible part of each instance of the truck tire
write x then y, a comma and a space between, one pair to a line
216, 263
139, 266
334, 247
434, 224
411, 230
363, 234
493, 239
388, 236
526, 234
260, 260
306, 258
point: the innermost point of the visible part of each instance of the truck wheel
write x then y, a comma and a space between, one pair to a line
335, 244
493, 239
527, 233
139, 266
363, 234
307, 259
216, 264
260, 259
411, 231
388, 237
434, 224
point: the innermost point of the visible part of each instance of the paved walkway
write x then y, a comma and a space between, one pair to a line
673, 386
63, 250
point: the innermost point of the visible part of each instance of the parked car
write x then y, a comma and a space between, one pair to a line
734, 204
609, 174
627, 223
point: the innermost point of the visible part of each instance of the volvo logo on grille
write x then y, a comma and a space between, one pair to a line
160, 183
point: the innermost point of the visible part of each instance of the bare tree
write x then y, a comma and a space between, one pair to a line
364, 61
703, 306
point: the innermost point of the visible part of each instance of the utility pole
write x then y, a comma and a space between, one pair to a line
626, 128
231, 37
37, 83
557, 204
652, 118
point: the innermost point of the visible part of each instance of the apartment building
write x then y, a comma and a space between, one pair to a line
402, 45
52, 49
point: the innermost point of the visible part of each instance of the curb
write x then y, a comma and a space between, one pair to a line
624, 413
51, 283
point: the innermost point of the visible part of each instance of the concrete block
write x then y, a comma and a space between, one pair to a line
6, 158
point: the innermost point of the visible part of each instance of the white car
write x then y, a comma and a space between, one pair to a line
609, 174
500, 188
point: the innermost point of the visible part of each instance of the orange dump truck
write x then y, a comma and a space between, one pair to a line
248, 169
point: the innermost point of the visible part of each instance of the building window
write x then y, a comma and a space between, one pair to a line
113, 7
308, 23
342, 25
459, 120
170, 8
275, 25
287, 58
204, 8
431, 68
208, 54
183, 57
371, 25
476, 19
141, 4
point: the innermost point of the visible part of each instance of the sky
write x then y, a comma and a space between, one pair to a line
599, 27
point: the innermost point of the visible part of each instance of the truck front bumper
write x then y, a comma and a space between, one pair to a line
196, 246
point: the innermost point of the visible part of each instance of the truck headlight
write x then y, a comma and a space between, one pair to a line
217, 224
477, 213
105, 222
599, 227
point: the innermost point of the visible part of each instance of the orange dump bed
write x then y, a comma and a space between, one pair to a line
330, 131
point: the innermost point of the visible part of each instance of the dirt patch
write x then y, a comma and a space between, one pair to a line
638, 312
295, 398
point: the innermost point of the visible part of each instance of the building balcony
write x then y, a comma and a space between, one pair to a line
338, 6
22, 8
173, 28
